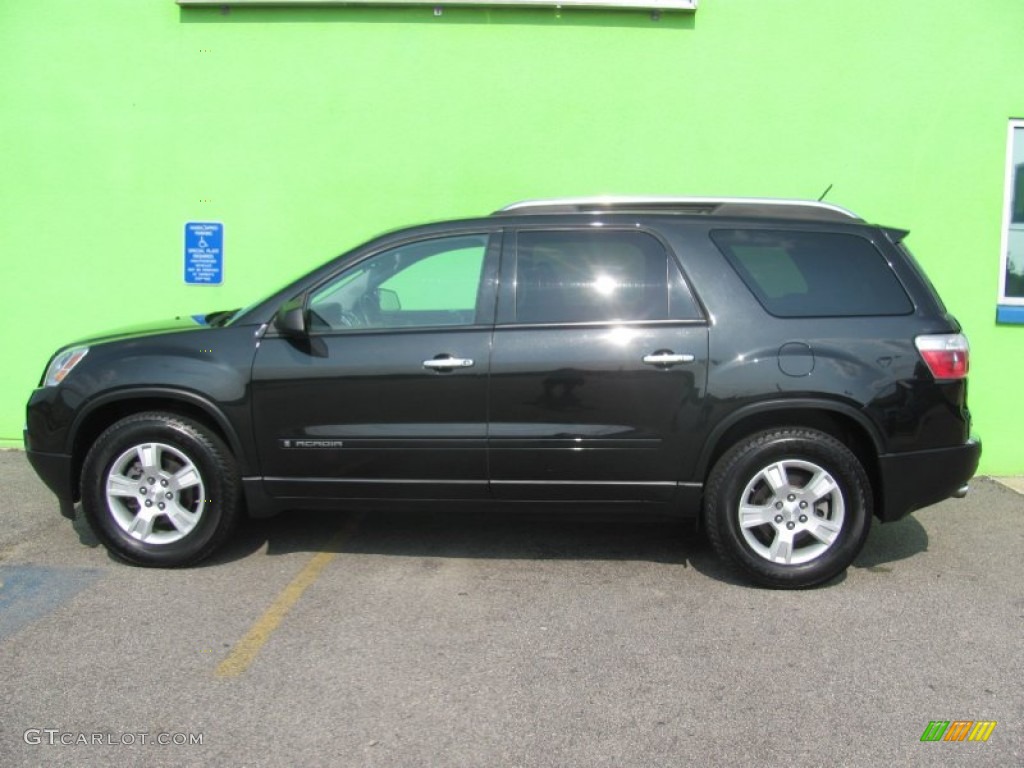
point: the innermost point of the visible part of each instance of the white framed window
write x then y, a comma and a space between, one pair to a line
658, 5
1011, 272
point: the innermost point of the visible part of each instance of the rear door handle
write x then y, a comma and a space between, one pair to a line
667, 358
447, 363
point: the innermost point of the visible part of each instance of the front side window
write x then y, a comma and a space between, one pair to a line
596, 276
813, 274
422, 284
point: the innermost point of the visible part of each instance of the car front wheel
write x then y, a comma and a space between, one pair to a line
790, 507
160, 490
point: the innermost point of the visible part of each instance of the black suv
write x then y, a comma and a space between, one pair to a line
781, 369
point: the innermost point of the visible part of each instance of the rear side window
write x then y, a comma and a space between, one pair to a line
597, 276
813, 274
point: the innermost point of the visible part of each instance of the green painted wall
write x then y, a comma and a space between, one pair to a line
307, 130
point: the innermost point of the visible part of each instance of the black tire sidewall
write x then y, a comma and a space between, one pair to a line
203, 449
738, 467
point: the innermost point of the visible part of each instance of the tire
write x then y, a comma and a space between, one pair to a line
791, 508
160, 490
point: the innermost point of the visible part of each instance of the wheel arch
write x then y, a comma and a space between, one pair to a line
105, 411
843, 422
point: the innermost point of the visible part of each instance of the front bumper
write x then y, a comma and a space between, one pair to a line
55, 470
920, 478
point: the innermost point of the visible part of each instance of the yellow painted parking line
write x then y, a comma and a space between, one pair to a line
246, 649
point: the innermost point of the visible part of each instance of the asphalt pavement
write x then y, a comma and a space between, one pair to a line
489, 640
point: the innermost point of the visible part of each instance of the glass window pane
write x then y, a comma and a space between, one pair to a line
814, 274
449, 280
588, 276
1014, 232
427, 283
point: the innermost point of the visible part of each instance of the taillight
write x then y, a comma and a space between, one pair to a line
947, 355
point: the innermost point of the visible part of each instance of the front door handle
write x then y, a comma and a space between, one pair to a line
447, 363
667, 358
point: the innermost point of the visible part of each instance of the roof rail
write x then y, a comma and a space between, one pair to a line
711, 206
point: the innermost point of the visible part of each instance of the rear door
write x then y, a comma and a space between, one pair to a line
599, 366
387, 398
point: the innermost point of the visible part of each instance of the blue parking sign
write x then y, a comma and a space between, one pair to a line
204, 253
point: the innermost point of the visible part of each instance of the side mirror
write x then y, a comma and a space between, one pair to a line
290, 319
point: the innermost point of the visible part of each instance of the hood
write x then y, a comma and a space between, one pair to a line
171, 325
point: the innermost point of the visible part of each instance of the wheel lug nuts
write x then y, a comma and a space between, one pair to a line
150, 480
778, 518
791, 497
149, 502
803, 518
803, 505
142, 490
778, 505
791, 525
163, 483
160, 505
169, 495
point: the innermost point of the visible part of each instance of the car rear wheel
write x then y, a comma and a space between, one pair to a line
790, 507
160, 490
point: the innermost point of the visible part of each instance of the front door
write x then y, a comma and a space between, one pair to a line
387, 397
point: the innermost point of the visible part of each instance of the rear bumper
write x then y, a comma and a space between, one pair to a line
918, 479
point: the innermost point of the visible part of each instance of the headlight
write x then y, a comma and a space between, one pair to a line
62, 364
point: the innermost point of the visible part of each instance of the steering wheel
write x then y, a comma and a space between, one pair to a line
350, 319
367, 308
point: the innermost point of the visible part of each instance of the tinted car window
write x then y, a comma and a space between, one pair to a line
426, 283
587, 276
813, 274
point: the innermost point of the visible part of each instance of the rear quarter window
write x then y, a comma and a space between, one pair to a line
813, 274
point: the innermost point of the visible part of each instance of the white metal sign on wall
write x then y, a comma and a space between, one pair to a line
204, 253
